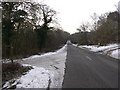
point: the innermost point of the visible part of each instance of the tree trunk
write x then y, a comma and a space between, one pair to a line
11, 53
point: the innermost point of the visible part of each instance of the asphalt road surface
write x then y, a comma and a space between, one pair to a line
86, 69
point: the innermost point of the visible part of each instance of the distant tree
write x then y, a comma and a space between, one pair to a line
114, 16
107, 29
75, 38
95, 19
83, 29
104, 30
57, 38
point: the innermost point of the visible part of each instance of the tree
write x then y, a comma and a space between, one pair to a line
107, 29
57, 38
15, 23
8, 21
95, 19
47, 17
83, 29
27, 30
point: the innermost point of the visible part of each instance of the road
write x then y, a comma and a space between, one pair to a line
86, 69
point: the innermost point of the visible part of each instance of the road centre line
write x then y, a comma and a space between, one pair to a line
88, 58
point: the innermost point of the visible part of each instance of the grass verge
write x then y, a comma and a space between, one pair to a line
12, 71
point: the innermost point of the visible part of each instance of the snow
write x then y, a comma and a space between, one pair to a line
75, 45
8, 84
115, 53
110, 49
48, 70
53, 62
35, 78
63, 49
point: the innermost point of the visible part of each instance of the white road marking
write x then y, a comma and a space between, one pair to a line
88, 57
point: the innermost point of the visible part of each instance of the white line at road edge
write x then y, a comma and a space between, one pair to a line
88, 58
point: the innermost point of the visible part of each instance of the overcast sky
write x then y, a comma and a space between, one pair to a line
71, 13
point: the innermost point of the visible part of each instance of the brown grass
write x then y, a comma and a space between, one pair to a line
13, 70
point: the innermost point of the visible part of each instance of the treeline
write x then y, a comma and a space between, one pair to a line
26, 30
104, 30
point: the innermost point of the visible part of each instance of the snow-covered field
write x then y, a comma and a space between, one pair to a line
48, 70
112, 50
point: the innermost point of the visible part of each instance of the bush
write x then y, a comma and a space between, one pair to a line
13, 70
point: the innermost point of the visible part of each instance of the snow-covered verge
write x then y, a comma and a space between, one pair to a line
53, 62
35, 78
48, 71
112, 50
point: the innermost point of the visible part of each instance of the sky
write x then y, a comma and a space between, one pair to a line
72, 13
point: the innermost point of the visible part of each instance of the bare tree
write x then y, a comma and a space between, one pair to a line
95, 19
83, 29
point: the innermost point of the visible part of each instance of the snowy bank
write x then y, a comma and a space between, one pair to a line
112, 50
47, 72
53, 62
62, 50
35, 78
